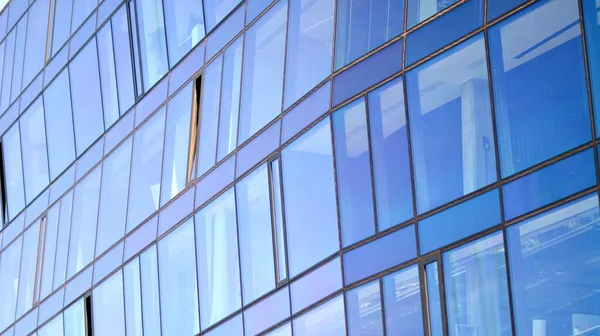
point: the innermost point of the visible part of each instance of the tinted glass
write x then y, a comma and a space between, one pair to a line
218, 265
216, 10
592, 36
262, 82
153, 48
18, 59
267, 312
452, 133
230, 99
498, 7
81, 10
35, 47
133, 298
34, 150
123, 65
353, 169
7, 73
209, 118
59, 124
420, 10
309, 46
364, 25
433, 299
363, 309
9, 268
53, 328
146, 170
74, 319
310, 205
326, 319
108, 307
87, 104
557, 251
48, 250
108, 75
316, 285
150, 296
13, 172
402, 301
28, 272
389, 146
178, 291
61, 23
185, 27
256, 234
62, 244
534, 123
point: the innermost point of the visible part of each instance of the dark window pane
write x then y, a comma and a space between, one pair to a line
327, 319
108, 307
13, 171
363, 308
153, 47
452, 133
216, 10
34, 150
554, 270
534, 122
185, 26
364, 25
421, 10
476, 288
389, 145
353, 169
402, 301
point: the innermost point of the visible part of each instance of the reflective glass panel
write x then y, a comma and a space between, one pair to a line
9, 43
53, 328
452, 135
150, 297
592, 36
327, 319
123, 65
34, 150
262, 81
534, 122
61, 23
74, 319
62, 243
108, 75
420, 10
218, 265
35, 47
185, 27
9, 282
402, 301
108, 307
81, 10
310, 205
230, 99
29, 264
153, 48
363, 309
216, 10
209, 115
133, 298
13, 172
433, 299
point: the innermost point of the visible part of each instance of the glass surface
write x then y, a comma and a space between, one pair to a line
592, 37
306, 112
151, 317
232, 327
177, 142
433, 299
13, 171
327, 319
113, 197
81, 10
9, 43
285, 330
185, 27
108, 307
48, 251
52, 328
379, 255
218, 264
451, 125
258, 148
216, 10
34, 150
83, 225
9, 282
402, 301
74, 319
225, 32
495, 8
476, 288
35, 46
309, 47
28, 273
364, 25
108, 75
389, 148
133, 298
59, 124
421, 10
230, 99
459, 221
62, 243
256, 234
554, 270
255, 7
209, 115
363, 310
61, 23
146, 170
85, 97
18, 58
310, 205
353, 169
178, 291
262, 80
316, 285
267, 312
278, 217
123, 65
153, 47
534, 123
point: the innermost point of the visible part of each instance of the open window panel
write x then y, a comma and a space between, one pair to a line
194, 131
3, 204
432, 295
277, 220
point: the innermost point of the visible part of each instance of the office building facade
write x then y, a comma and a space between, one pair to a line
300, 167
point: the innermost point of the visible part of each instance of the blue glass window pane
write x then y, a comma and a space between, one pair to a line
402, 301
262, 81
363, 310
592, 36
74, 319
218, 264
230, 99
61, 23
216, 10
476, 288
81, 10
13, 172
59, 124
28, 273
421, 10
185, 27
433, 299
185, 298
353, 169
389, 146
48, 250
19, 55
379, 255
35, 46
153, 47
113, 197
108, 74
452, 133
146, 170
225, 32
178, 291
133, 298
108, 307
309, 47
62, 244
16, 8
549, 184
214, 182
327, 319
364, 25
258, 148
495, 8
553, 259
83, 225
310, 206
285, 330
87, 104
52, 328
255, 7
444, 30
7, 72
368, 72
233, 327
177, 142
534, 123
123, 65
459, 221
9, 268
209, 116
256, 234
316, 285
303, 114
267, 312
34, 150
